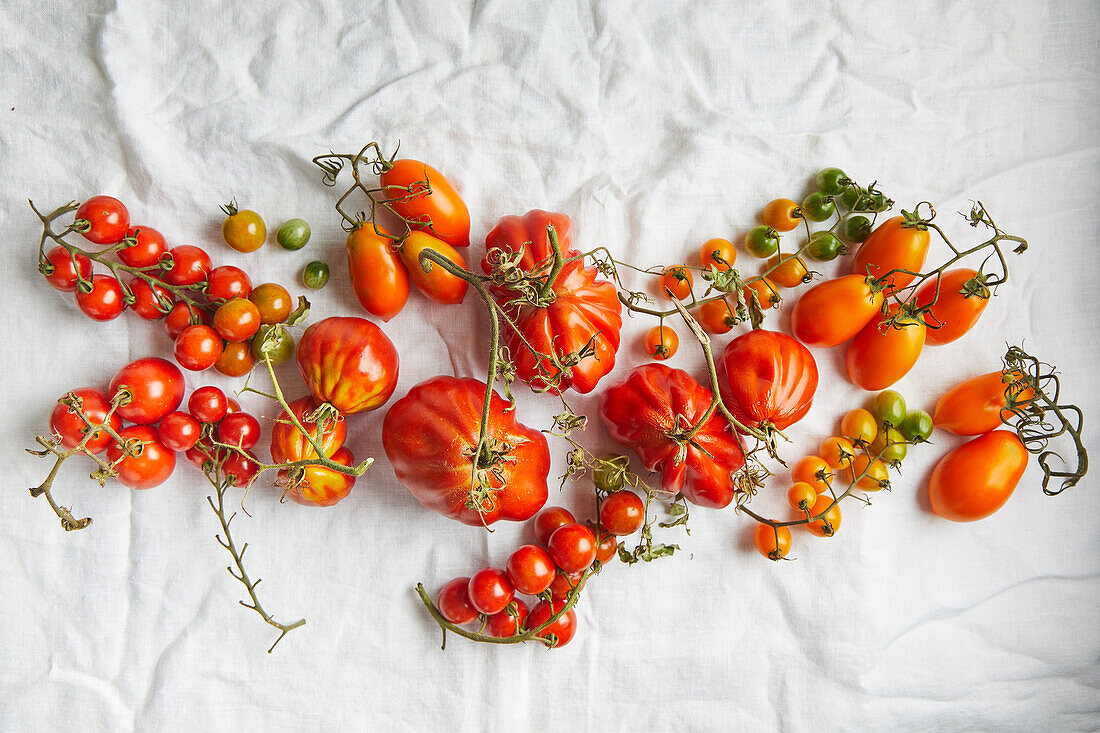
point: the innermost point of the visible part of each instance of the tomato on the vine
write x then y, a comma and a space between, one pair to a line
565, 583
273, 301
198, 348
610, 473
505, 624
64, 274
782, 215
718, 253
105, 301
243, 230
856, 229
151, 302
561, 630
818, 206
288, 444
227, 282
977, 405
155, 387
190, 265
814, 471
859, 425
240, 429
977, 478
767, 379
880, 355
148, 245
868, 474
622, 513
825, 247
917, 426
762, 241
279, 349
889, 446
838, 453
349, 363
716, 316
322, 486
661, 342
67, 425
379, 278
237, 320
606, 544
834, 311
429, 277
962, 298
766, 293
530, 569
888, 408
897, 243
453, 602
831, 181
789, 273
238, 469
677, 282
426, 200
802, 495
181, 316
236, 359
490, 591
207, 404
102, 220
773, 543
548, 520
829, 522
179, 431
150, 465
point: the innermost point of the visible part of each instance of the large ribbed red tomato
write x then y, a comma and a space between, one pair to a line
580, 316
654, 404
431, 435
349, 363
767, 379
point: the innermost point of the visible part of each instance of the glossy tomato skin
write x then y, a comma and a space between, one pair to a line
65, 275
287, 442
453, 602
149, 299
105, 301
975, 406
563, 629
179, 431
977, 478
239, 429
190, 265
548, 520
149, 469
584, 309
156, 388
321, 486
180, 317
654, 400
198, 348
207, 404
954, 312
879, 357
893, 245
504, 624
531, 570
107, 219
378, 277
490, 590
68, 426
148, 245
767, 377
227, 282
437, 284
622, 513
436, 208
834, 311
431, 434
572, 547
273, 302
349, 363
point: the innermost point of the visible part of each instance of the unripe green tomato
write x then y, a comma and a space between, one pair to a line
818, 207
890, 446
917, 426
315, 275
888, 408
293, 234
824, 246
762, 241
281, 347
610, 473
831, 181
857, 228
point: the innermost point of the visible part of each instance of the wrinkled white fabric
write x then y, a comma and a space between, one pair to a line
655, 126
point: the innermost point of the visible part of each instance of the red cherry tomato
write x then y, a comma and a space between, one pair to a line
378, 276
490, 591
879, 357
572, 547
151, 302
531, 570
566, 583
548, 520
234, 406
435, 207
505, 624
606, 544
68, 426
834, 311
227, 282
289, 445
102, 220
236, 359
767, 379
207, 404
453, 602
105, 302
198, 455
239, 429
237, 320
152, 464
959, 306
148, 245
895, 244
321, 486
622, 513
437, 284
349, 363
179, 431
180, 317
239, 470
977, 478
561, 630
155, 386
189, 265
64, 274
198, 347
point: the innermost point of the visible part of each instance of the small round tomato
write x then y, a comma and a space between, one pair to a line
825, 247
676, 281
239, 429
838, 453
155, 387
789, 273
868, 474
454, 603
858, 198
207, 404
146, 245
566, 583
238, 469
606, 544
833, 311
977, 405
548, 520
435, 282
199, 455
765, 291
773, 543
320, 486
897, 243
661, 343
531, 570
105, 301
561, 631
273, 301
917, 426
507, 623
148, 465
293, 234
190, 265
718, 253
802, 495
831, 181
829, 522
227, 282
889, 446
70, 428
181, 316
859, 425
151, 302
315, 275
716, 316
426, 200
243, 230
762, 241
179, 431
814, 471
962, 298
102, 220
856, 229
236, 359
379, 278
490, 591
881, 355
818, 207
234, 406
622, 513
977, 478
280, 347
888, 408
572, 547
198, 348
782, 215
237, 320
610, 473
63, 273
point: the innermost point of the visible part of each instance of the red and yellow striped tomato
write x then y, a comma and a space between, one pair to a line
349, 363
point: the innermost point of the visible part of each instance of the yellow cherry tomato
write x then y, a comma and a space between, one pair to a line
838, 453
802, 495
814, 471
829, 523
859, 424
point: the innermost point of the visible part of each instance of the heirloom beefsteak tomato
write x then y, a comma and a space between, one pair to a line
349, 363
767, 379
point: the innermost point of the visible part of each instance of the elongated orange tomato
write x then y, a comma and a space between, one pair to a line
895, 244
378, 277
977, 405
834, 311
435, 207
977, 478
881, 355
956, 310
436, 283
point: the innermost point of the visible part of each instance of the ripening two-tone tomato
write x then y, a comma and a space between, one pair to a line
288, 444
767, 379
649, 408
243, 230
379, 279
431, 437
349, 363
319, 485
426, 200
977, 405
962, 299
880, 354
896, 244
430, 278
977, 478
834, 311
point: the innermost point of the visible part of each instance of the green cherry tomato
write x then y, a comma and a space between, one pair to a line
280, 346
315, 275
824, 246
818, 207
890, 446
831, 181
850, 195
609, 474
857, 228
889, 408
762, 241
856, 198
293, 234
917, 426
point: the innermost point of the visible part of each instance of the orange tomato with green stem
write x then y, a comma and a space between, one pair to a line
429, 277
834, 311
379, 278
661, 342
962, 298
881, 354
977, 405
977, 478
426, 200
899, 243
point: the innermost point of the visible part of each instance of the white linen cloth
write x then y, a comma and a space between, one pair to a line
655, 126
